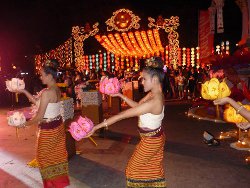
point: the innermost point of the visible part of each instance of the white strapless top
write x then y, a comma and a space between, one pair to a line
52, 110
151, 121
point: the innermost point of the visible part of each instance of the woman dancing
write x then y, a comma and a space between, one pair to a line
51, 153
145, 167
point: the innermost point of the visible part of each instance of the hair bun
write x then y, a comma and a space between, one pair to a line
155, 62
53, 63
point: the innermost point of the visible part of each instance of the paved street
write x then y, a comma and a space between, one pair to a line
189, 162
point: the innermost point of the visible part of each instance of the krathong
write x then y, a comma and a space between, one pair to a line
80, 128
15, 84
110, 86
214, 89
16, 119
231, 115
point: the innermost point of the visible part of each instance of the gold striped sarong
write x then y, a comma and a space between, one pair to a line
145, 167
52, 154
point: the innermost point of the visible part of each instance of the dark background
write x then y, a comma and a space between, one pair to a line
29, 27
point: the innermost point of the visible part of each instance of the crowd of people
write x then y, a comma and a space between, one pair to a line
182, 83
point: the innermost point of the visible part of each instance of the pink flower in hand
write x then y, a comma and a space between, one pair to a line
76, 131
85, 123
117, 85
109, 88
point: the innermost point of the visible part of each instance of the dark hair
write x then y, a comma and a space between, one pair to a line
154, 67
50, 67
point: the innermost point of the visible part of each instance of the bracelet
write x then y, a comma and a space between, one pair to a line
239, 109
105, 123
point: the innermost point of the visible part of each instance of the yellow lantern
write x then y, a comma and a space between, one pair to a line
224, 90
204, 91
230, 114
213, 89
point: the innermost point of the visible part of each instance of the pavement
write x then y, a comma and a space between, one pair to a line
189, 163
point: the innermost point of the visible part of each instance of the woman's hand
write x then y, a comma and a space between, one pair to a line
91, 132
221, 101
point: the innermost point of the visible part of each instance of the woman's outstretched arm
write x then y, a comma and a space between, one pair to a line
239, 108
129, 101
131, 112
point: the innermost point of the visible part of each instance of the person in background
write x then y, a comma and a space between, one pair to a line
145, 167
180, 79
192, 79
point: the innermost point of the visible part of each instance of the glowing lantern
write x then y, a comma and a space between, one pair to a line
213, 89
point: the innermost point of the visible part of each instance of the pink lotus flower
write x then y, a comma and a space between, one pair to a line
76, 131
110, 86
86, 124
80, 128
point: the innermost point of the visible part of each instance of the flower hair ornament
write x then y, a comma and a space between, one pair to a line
151, 62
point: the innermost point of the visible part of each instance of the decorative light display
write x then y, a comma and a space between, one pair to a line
62, 53
166, 55
184, 56
217, 49
198, 57
192, 57
125, 47
123, 20
139, 43
227, 47
169, 25
80, 34
179, 58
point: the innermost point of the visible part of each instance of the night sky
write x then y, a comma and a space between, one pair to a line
29, 27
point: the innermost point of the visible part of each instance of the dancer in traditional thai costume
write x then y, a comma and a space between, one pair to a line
145, 167
51, 155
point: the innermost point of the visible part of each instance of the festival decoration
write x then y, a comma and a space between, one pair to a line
109, 86
80, 34
16, 119
138, 43
80, 128
170, 26
123, 20
231, 115
15, 84
62, 53
214, 89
